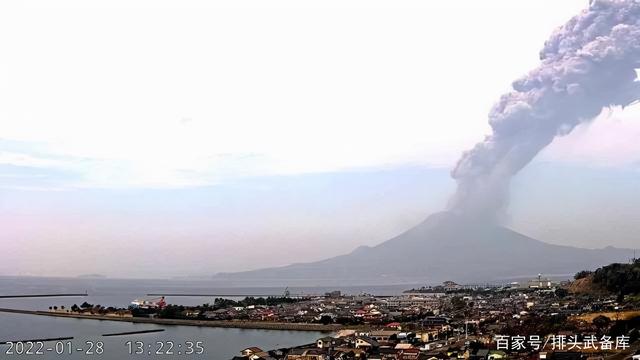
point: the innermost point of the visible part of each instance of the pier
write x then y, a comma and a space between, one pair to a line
19, 296
134, 332
37, 340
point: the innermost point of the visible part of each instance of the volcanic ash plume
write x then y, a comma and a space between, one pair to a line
587, 65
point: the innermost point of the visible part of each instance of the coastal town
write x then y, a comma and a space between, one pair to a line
540, 321
595, 316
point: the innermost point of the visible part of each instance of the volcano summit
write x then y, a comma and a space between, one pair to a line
444, 246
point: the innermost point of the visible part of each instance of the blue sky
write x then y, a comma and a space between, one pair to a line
259, 135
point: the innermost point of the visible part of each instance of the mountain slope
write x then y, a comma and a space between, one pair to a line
443, 247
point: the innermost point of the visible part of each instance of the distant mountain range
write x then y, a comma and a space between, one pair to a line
445, 246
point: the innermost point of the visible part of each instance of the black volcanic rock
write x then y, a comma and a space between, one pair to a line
445, 246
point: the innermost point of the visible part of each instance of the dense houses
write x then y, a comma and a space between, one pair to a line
381, 344
344, 310
459, 322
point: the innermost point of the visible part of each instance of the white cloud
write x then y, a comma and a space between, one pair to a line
18, 159
322, 86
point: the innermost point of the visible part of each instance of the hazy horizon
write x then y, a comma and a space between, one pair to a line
168, 140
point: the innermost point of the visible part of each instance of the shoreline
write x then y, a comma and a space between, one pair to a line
255, 325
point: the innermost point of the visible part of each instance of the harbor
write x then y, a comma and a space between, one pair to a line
219, 343
256, 325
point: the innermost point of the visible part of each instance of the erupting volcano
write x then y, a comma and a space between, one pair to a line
587, 65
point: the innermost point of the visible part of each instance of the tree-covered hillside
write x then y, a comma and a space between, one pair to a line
621, 279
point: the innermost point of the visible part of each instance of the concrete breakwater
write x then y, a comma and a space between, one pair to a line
263, 325
38, 340
126, 333
40, 296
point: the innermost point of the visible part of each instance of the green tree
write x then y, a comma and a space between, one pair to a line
582, 274
86, 305
561, 293
458, 303
601, 321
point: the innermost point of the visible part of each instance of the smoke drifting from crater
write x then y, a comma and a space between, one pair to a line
587, 65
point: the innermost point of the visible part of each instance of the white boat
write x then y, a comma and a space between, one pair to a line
157, 303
